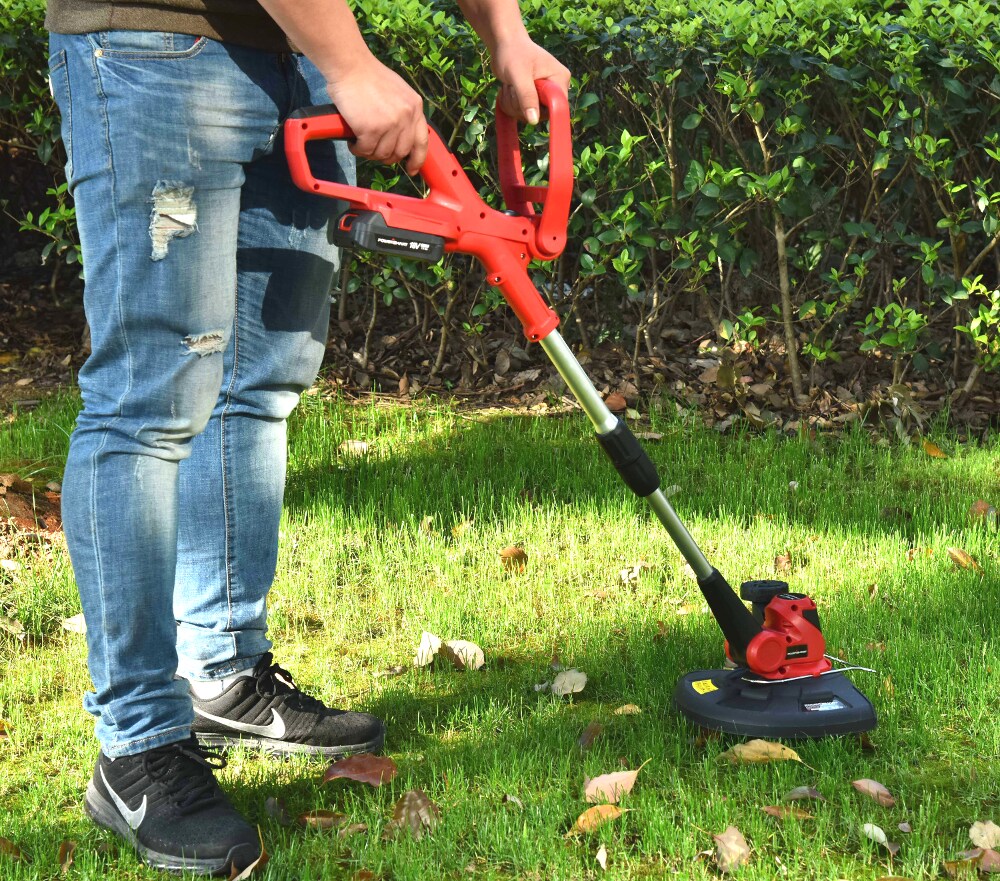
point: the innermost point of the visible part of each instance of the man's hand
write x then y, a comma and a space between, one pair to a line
385, 114
517, 62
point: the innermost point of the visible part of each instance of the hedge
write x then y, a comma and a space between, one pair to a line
823, 170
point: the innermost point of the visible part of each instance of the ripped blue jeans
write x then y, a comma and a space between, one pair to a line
207, 293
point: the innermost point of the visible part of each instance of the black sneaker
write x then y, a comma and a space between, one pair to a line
166, 803
267, 710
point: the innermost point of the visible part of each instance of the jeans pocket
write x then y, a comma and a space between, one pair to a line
59, 86
147, 45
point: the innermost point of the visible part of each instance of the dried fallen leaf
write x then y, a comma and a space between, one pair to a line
961, 559
65, 857
967, 865
589, 735
876, 834
983, 510
905, 828
322, 819
414, 813
759, 751
569, 682
989, 862
627, 710
874, 789
76, 624
933, 450
783, 563
985, 834
632, 573
5, 729
514, 559
803, 793
512, 800
352, 829
365, 768
353, 448
463, 654
784, 812
610, 787
616, 403
731, 850
259, 863
9, 849
602, 857
595, 817
428, 648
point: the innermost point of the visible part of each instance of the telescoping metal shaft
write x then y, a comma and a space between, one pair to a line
639, 473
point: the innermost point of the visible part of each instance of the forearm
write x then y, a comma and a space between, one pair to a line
326, 31
494, 20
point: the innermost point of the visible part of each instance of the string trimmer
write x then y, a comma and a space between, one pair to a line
783, 683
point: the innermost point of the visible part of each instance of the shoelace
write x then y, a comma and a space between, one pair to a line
187, 769
273, 680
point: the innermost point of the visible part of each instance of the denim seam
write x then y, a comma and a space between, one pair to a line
224, 452
93, 461
236, 666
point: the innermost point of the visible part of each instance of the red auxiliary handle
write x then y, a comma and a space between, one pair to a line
503, 242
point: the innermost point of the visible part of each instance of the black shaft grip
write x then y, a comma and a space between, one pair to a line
628, 456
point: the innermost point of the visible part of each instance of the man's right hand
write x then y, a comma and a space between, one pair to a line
384, 112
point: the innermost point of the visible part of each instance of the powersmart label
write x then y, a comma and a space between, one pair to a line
825, 706
704, 686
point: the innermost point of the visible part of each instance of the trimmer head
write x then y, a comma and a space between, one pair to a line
816, 706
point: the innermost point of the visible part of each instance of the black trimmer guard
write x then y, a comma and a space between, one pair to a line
815, 707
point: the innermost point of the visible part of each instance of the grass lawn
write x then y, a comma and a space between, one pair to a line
378, 548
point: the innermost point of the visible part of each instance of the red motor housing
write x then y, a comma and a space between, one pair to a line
790, 643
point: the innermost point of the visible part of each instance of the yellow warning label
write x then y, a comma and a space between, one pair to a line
704, 686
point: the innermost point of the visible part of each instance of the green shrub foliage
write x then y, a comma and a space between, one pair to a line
824, 171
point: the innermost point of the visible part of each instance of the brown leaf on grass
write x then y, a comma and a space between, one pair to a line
985, 834
874, 789
595, 817
916, 553
569, 681
989, 862
463, 654
933, 450
631, 574
586, 740
803, 793
983, 510
602, 857
905, 828
365, 768
759, 751
877, 834
966, 866
785, 812
5, 729
616, 403
352, 829
259, 863
428, 648
414, 813
322, 819
865, 742
9, 849
353, 448
961, 559
731, 850
627, 710
514, 559
65, 857
610, 787
783, 563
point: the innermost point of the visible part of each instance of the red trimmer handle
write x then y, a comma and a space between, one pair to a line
555, 198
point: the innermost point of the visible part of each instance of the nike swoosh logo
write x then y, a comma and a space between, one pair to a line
275, 729
133, 818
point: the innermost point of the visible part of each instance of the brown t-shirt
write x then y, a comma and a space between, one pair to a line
235, 21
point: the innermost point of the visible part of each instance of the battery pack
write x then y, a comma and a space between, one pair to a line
368, 230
